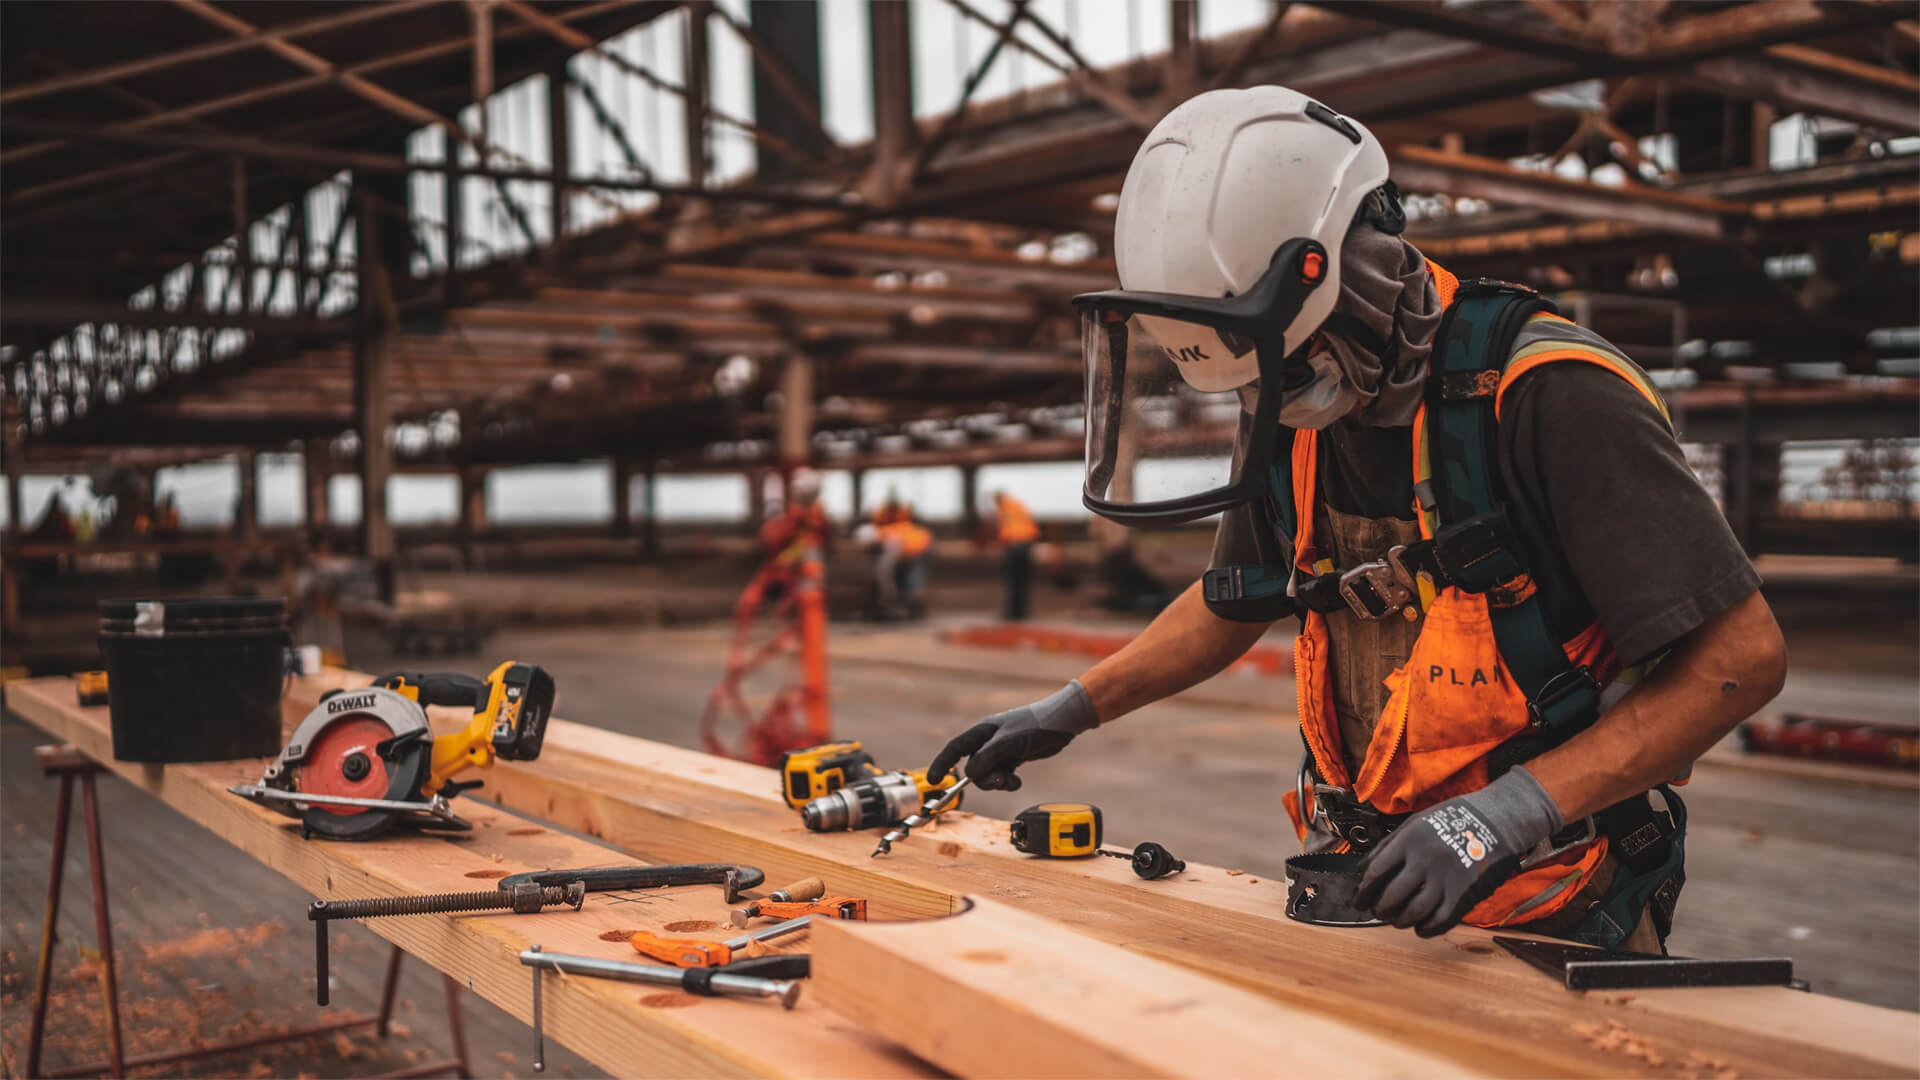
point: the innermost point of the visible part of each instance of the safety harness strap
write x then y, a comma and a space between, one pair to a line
1474, 340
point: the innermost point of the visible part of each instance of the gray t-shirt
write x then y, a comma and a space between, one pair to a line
1613, 523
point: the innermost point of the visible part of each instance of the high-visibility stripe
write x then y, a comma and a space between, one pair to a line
1521, 365
1422, 472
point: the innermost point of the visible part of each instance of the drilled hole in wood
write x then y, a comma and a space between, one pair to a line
618, 935
690, 926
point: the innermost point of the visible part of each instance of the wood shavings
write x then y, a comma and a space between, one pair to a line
344, 1046
488, 874
668, 1001
950, 849
1617, 1038
692, 926
1235, 873
496, 857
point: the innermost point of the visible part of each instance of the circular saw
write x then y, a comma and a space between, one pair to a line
365, 760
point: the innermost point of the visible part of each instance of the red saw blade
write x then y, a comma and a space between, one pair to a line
343, 751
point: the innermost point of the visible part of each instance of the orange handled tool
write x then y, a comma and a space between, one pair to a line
693, 952
681, 952
833, 907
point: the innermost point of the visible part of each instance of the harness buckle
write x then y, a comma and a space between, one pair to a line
1378, 589
1584, 831
1356, 822
1565, 698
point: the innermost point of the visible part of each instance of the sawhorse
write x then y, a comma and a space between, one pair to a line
69, 764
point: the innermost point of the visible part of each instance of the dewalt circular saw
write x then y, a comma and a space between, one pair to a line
365, 760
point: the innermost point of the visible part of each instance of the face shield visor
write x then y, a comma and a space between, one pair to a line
1184, 392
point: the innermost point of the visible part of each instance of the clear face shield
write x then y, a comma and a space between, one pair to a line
1176, 431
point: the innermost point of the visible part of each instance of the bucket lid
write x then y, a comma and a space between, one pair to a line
187, 610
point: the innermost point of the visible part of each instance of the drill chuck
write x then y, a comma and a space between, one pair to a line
882, 800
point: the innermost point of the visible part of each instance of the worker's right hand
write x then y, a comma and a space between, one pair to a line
994, 747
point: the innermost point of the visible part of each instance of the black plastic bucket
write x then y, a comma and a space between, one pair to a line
196, 679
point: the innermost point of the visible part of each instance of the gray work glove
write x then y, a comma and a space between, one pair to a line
1441, 862
994, 747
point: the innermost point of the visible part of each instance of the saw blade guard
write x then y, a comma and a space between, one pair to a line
362, 743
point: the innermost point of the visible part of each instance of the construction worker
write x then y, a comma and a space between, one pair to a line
904, 547
1017, 532
800, 529
1522, 616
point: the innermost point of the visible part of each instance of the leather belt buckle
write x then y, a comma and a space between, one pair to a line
1376, 590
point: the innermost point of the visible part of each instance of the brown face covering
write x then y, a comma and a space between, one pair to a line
1385, 288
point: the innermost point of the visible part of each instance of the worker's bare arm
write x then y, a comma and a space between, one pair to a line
1185, 644
1714, 678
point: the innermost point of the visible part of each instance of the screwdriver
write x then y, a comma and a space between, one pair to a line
900, 831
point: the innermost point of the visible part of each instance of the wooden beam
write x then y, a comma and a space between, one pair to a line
559, 154
257, 94
373, 161
951, 122
372, 395
936, 986
626, 1030
1421, 168
894, 130
1457, 996
1799, 79
58, 311
146, 65
697, 94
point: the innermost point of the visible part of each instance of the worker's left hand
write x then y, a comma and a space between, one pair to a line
1441, 862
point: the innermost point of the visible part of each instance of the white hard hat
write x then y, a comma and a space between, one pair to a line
1220, 183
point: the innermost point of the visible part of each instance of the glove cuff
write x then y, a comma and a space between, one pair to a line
1519, 807
1067, 709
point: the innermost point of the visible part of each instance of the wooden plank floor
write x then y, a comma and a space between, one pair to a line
211, 945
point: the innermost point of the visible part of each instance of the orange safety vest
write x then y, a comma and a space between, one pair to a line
1453, 702
914, 540
1016, 524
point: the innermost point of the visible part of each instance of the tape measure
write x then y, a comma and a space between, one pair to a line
1058, 830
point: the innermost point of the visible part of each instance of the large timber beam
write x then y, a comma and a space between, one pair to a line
1806, 80
59, 311
1421, 168
375, 162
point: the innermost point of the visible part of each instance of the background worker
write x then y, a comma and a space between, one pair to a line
902, 549
1559, 532
1016, 531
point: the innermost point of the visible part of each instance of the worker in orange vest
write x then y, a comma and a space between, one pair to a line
904, 548
1016, 531
1522, 617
